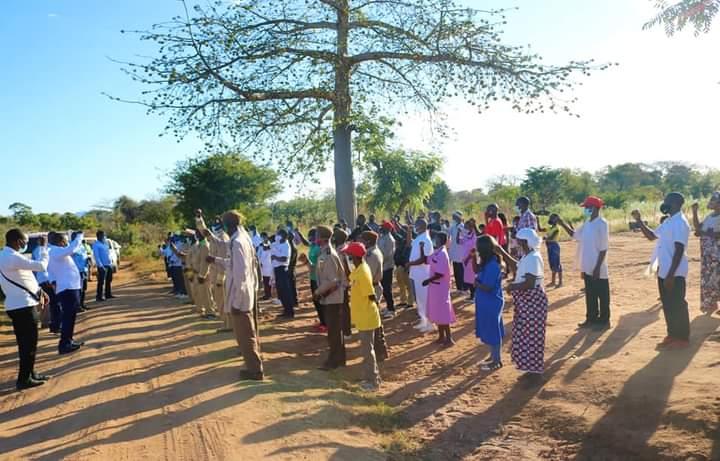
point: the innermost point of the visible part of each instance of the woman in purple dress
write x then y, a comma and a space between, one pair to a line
439, 306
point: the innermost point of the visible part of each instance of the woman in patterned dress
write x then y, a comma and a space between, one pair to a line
709, 232
531, 308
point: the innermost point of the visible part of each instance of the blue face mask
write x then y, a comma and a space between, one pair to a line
518, 210
588, 212
23, 249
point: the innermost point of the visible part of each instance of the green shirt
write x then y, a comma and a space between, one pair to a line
313, 259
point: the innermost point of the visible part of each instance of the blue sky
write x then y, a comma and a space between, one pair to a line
74, 148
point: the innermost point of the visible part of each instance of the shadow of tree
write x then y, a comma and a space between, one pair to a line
626, 428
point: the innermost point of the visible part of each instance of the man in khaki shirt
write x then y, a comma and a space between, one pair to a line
330, 294
202, 282
374, 259
218, 249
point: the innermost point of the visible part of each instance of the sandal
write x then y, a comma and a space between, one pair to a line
491, 366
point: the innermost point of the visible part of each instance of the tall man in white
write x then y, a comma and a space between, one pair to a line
420, 271
68, 286
23, 297
241, 285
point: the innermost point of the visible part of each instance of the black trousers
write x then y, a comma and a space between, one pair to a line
24, 322
53, 307
293, 286
318, 307
69, 302
675, 308
104, 282
267, 288
282, 285
459, 272
597, 299
387, 284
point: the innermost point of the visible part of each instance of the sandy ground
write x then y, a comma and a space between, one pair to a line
155, 382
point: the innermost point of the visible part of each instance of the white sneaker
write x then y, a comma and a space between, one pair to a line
276, 302
428, 329
387, 314
347, 338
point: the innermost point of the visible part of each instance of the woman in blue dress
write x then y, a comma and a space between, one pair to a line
489, 300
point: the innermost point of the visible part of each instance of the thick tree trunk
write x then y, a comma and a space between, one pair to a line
344, 180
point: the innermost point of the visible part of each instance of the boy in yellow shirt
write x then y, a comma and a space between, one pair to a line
364, 313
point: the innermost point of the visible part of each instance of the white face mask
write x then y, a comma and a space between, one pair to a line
588, 212
518, 210
23, 249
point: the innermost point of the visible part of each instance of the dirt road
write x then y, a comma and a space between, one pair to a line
155, 382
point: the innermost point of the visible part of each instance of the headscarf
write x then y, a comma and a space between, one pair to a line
530, 236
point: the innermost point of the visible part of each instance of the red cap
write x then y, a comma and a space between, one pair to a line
388, 225
356, 249
594, 202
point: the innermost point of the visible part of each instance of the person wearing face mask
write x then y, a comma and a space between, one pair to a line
280, 257
672, 236
101, 253
23, 298
420, 271
439, 305
241, 288
266, 267
531, 309
365, 313
329, 293
593, 243
203, 286
456, 250
527, 220
709, 232
339, 241
68, 286
312, 261
386, 244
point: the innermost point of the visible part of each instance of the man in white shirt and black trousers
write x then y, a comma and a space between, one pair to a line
673, 236
68, 285
593, 239
23, 297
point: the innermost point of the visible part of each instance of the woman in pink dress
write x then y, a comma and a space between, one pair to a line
439, 306
468, 241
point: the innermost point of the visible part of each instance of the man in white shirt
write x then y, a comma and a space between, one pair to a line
280, 257
68, 285
672, 236
593, 239
455, 250
23, 297
421, 248
257, 239
241, 287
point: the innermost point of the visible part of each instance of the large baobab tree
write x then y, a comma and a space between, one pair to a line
291, 79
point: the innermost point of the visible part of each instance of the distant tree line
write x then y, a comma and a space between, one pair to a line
392, 182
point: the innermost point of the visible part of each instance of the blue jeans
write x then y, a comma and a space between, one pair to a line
69, 302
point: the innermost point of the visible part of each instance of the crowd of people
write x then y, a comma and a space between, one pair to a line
224, 270
48, 287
